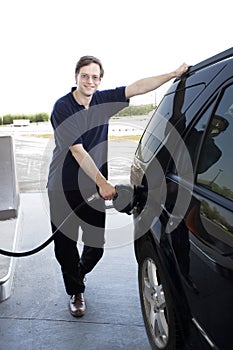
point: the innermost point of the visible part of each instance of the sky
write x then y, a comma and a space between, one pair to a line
41, 41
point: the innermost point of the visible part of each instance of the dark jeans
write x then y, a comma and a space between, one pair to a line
91, 219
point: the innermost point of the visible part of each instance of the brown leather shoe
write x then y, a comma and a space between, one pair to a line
77, 305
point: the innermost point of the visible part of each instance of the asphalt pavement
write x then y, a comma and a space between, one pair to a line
36, 314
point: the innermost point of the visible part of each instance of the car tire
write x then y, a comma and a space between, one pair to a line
156, 301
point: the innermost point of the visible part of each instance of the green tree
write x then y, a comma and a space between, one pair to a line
34, 118
136, 110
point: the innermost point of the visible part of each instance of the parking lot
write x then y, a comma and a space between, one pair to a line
33, 155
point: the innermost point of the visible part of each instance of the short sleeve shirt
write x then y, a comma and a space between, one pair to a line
73, 124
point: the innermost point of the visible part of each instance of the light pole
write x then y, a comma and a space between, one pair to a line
218, 173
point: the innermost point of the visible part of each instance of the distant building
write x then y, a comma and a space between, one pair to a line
21, 122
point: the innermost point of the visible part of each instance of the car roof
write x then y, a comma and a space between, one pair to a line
210, 61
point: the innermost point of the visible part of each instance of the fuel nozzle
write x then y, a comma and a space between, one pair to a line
126, 198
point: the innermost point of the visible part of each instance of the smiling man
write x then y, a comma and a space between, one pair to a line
79, 166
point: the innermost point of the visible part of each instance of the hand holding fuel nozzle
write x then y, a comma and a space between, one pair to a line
127, 197
123, 201
106, 190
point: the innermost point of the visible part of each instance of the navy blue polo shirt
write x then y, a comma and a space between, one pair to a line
73, 124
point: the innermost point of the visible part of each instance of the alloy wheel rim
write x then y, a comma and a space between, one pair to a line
154, 304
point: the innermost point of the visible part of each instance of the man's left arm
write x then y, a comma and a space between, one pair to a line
149, 84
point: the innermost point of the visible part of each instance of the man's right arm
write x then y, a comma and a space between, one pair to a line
106, 190
145, 85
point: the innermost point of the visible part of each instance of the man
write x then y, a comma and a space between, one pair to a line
79, 166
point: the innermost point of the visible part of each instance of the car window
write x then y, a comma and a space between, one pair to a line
192, 141
171, 108
155, 130
215, 166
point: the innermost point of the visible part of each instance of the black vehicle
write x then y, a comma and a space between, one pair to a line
183, 219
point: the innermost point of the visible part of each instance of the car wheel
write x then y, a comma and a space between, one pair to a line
156, 302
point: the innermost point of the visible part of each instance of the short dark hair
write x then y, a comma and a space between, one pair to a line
85, 61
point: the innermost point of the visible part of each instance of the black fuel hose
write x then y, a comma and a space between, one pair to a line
51, 238
123, 201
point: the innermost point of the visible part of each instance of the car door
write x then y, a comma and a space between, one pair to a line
206, 262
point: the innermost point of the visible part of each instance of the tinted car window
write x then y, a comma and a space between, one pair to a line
149, 141
189, 95
215, 167
158, 128
194, 139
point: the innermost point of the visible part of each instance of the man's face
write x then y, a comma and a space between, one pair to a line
88, 79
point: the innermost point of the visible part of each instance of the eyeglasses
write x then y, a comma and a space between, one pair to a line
86, 77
